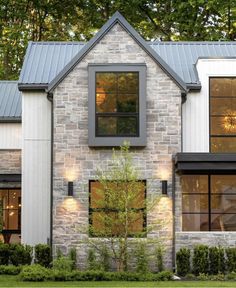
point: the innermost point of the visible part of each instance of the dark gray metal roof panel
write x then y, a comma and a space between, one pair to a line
182, 56
10, 101
44, 61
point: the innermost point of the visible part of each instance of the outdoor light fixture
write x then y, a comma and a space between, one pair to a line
70, 188
164, 187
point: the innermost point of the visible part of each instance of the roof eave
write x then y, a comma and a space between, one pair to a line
10, 119
32, 87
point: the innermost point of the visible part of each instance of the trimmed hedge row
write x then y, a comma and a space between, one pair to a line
38, 273
18, 254
206, 260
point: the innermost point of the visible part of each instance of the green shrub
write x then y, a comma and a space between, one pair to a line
190, 277
104, 258
162, 276
159, 259
216, 260
203, 277
231, 276
92, 263
10, 269
217, 277
141, 258
35, 272
183, 261
63, 264
20, 254
73, 257
200, 259
43, 255
4, 254
231, 259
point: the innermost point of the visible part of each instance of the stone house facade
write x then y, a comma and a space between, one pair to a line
178, 142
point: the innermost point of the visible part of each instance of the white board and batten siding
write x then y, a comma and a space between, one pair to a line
10, 136
195, 111
36, 159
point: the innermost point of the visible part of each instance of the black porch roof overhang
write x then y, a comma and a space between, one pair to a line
204, 162
10, 178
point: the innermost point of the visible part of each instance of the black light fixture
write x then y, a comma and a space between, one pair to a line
70, 188
164, 187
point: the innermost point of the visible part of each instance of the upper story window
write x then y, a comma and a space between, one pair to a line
223, 115
117, 107
117, 104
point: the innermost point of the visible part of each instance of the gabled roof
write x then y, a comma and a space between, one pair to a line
43, 62
26, 81
10, 102
47, 63
182, 56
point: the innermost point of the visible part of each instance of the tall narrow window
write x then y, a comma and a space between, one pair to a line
117, 104
223, 115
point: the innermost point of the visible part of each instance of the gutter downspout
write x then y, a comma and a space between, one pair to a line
50, 98
173, 213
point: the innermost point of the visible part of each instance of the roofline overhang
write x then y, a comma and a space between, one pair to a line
194, 86
10, 120
32, 87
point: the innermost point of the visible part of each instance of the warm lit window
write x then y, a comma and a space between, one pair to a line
117, 107
208, 202
107, 210
117, 104
223, 114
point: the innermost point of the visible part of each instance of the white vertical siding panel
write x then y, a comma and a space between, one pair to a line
10, 136
195, 112
36, 124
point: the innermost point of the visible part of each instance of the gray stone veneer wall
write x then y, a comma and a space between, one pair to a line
74, 160
10, 163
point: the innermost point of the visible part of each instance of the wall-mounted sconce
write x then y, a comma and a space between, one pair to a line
70, 188
164, 187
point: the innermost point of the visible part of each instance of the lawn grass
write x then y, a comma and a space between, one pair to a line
13, 281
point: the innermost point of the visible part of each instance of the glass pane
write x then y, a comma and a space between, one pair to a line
223, 222
128, 82
10, 219
195, 222
106, 82
127, 126
223, 106
224, 203
195, 203
127, 103
223, 144
106, 126
136, 223
223, 184
221, 87
194, 183
223, 125
96, 195
105, 102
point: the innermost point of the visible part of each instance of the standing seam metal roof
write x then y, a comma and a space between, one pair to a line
45, 60
182, 56
10, 102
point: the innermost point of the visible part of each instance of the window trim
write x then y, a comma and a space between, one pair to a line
109, 141
91, 210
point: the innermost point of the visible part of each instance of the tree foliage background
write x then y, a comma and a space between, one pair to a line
78, 20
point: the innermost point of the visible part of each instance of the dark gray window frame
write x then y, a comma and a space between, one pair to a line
96, 141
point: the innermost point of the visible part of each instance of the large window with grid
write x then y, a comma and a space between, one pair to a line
208, 202
222, 115
117, 104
